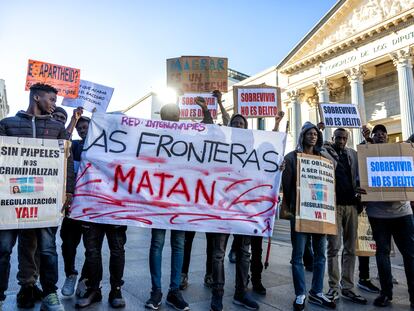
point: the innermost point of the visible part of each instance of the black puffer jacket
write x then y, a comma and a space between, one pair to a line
26, 125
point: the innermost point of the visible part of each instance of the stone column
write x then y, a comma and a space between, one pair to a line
402, 60
296, 125
322, 88
356, 80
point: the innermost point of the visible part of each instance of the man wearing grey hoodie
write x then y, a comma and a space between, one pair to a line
310, 142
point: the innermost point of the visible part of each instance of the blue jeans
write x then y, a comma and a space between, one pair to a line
319, 259
7, 241
155, 257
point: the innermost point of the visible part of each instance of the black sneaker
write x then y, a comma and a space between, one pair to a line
208, 281
25, 298
37, 293
176, 300
367, 285
332, 294
184, 281
382, 301
115, 298
155, 300
258, 288
91, 296
321, 300
216, 303
299, 303
350, 295
245, 301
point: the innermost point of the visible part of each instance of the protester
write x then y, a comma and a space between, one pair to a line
189, 235
390, 219
37, 122
346, 188
241, 297
169, 112
93, 235
71, 229
310, 142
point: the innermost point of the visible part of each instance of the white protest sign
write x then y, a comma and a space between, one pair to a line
92, 97
32, 173
390, 171
340, 115
190, 110
179, 175
316, 195
256, 101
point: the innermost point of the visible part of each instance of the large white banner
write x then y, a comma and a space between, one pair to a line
91, 97
176, 175
32, 182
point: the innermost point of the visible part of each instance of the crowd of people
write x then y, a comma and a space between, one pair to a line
38, 259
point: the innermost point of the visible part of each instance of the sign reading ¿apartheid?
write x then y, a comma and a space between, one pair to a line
32, 179
173, 175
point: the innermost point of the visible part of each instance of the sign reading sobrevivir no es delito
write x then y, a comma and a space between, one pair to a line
256, 101
340, 115
189, 110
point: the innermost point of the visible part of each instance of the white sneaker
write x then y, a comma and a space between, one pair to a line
51, 303
69, 286
81, 289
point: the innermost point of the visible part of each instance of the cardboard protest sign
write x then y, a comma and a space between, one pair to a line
179, 175
64, 79
256, 100
190, 110
386, 171
365, 244
32, 179
340, 115
197, 74
315, 195
92, 97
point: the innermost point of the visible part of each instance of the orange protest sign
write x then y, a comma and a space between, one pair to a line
65, 79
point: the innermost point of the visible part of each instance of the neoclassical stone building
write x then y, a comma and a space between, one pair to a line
360, 52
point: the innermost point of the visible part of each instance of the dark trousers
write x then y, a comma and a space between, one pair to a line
7, 241
188, 245
71, 234
256, 265
307, 253
242, 262
41, 241
363, 267
402, 230
93, 235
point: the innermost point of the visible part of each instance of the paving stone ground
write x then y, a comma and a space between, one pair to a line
277, 278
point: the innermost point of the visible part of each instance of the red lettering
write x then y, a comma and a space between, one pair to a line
18, 211
183, 190
318, 215
162, 177
119, 174
145, 177
200, 187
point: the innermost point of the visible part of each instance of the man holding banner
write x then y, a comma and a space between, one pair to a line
310, 143
36, 122
389, 219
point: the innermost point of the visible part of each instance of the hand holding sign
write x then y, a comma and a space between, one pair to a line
201, 102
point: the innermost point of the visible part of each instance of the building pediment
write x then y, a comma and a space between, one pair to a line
347, 19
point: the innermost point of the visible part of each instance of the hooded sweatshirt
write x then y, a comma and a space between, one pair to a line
289, 174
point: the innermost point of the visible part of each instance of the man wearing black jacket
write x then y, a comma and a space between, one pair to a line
35, 122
